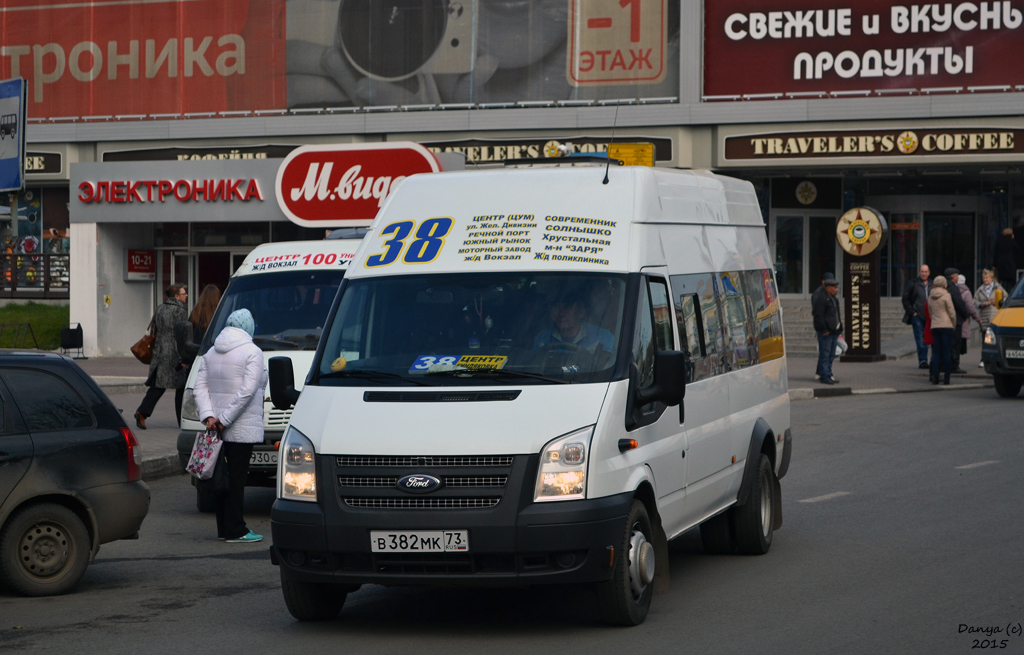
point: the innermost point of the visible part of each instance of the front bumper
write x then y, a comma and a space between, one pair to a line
515, 542
994, 356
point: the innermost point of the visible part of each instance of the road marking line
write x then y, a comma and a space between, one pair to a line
818, 499
978, 464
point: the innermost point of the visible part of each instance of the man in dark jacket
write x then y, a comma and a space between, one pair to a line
915, 297
1007, 252
962, 314
825, 310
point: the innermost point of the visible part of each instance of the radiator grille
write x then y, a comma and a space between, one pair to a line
459, 482
422, 503
447, 460
278, 418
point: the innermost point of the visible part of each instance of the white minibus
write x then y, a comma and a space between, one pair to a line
538, 376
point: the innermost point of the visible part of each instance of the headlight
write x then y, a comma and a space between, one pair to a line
298, 467
189, 409
990, 337
562, 474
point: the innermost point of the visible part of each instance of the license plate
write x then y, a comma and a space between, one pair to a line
263, 458
420, 541
1015, 354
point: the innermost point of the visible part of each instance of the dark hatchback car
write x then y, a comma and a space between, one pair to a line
70, 473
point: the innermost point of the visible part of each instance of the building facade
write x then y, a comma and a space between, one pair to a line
914, 110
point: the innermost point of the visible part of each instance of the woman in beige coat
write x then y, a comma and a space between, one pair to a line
943, 317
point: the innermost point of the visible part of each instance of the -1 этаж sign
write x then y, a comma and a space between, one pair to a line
616, 42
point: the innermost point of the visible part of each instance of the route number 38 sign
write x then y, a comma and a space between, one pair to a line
616, 42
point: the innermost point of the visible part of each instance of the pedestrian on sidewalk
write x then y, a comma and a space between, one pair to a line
963, 315
972, 311
200, 318
166, 370
943, 319
827, 325
988, 298
915, 297
229, 397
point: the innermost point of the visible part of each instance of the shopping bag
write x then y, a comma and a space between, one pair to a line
841, 346
204, 455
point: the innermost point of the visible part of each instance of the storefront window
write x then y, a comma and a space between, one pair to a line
205, 235
171, 235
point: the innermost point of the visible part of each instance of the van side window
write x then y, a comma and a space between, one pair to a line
662, 313
738, 329
690, 326
47, 403
698, 317
764, 307
643, 340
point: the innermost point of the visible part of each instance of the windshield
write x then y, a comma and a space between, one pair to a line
518, 328
289, 308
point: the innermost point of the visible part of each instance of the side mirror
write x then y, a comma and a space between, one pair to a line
282, 383
669, 380
183, 336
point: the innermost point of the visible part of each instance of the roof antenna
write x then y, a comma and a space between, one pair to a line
615, 122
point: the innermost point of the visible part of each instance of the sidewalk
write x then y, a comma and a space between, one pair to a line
123, 379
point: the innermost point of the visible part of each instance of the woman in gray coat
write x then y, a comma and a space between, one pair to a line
165, 369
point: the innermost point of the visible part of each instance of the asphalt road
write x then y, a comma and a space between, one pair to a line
903, 522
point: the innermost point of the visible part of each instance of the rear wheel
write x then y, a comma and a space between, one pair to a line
754, 520
44, 550
1007, 386
717, 535
310, 601
626, 598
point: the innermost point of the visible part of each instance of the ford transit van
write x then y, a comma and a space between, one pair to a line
538, 376
289, 288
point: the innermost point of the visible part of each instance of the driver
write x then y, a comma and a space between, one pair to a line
568, 326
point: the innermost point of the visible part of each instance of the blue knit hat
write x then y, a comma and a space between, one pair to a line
242, 319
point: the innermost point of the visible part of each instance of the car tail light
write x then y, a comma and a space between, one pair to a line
134, 455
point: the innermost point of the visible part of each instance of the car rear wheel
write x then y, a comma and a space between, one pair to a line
1007, 386
44, 550
310, 601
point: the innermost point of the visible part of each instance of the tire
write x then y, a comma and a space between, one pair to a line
309, 601
754, 520
44, 550
717, 534
626, 598
1007, 386
205, 501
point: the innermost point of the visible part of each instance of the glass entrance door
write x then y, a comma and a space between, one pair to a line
900, 257
949, 241
789, 253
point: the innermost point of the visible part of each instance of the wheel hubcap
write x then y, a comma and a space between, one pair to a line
766, 504
44, 548
641, 562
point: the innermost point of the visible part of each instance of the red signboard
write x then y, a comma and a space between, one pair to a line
808, 48
140, 265
325, 186
139, 58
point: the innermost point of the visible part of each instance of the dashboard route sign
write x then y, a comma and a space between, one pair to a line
616, 42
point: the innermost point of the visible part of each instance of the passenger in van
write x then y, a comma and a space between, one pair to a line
568, 327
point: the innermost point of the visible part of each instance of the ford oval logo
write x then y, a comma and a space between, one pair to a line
418, 484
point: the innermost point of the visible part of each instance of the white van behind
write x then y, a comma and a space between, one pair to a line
498, 397
289, 288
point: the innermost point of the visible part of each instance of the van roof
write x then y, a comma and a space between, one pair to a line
298, 255
553, 217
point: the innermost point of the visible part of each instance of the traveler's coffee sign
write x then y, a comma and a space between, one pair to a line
861, 231
333, 185
892, 143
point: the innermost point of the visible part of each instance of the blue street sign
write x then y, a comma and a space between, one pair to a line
12, 134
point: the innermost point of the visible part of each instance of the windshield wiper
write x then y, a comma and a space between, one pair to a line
286, 345
493, 374
366, 374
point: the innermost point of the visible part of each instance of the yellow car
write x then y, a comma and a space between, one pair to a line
1003, 349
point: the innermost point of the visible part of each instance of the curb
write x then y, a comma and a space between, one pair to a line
163, 466
831, 392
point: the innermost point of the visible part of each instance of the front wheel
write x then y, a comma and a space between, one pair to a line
1007, 386
310, 601
626, 598
754, 520
44, 550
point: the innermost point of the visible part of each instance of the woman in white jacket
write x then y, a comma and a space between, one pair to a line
229, 395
